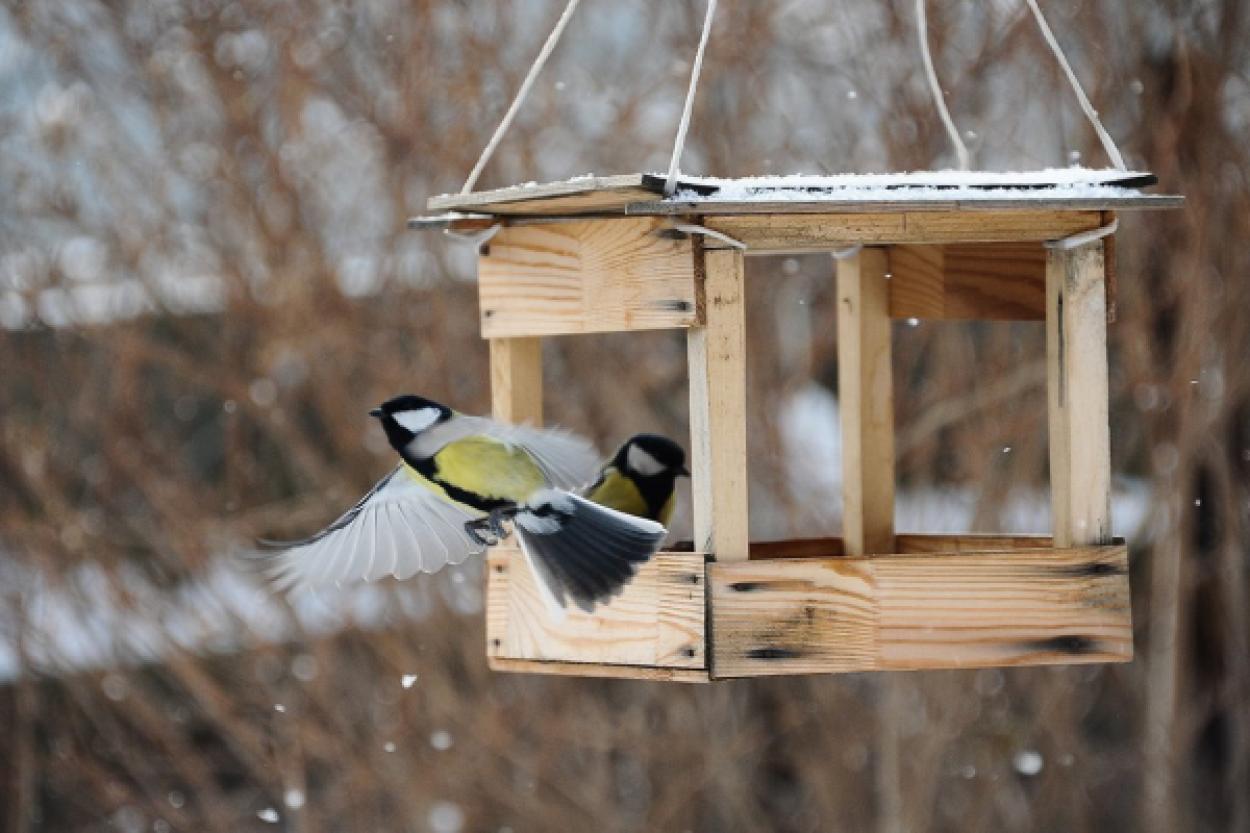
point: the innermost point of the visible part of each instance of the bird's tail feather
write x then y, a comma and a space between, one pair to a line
580, 550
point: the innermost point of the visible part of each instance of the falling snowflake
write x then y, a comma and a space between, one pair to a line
268, 815
1028, 762
446, 817
408, 680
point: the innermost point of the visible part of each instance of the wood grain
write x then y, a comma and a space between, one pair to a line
866, 402
969, 281
978, 205
906, 543
594, 669
960, 610
1077, 396
576, 196
657, 620
516, 380
718, 441
781, 233
584, 277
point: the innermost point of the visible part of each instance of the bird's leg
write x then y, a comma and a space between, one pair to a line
497, 518
477, 526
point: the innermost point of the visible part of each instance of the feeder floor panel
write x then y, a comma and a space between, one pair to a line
801, 607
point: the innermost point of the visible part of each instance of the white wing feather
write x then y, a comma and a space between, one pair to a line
399, 528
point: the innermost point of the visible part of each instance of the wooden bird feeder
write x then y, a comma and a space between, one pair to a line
595, 255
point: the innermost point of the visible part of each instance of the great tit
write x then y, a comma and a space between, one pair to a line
460, 478
639, 479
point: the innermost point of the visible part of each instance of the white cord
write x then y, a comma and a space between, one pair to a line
1081, 238
535, 68
694, 228
477, 238
1103, 136
922, 25
679, 144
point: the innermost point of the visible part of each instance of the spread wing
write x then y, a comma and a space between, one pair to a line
567, 460
403, 526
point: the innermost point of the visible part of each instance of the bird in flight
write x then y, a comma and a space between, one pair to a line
459, 480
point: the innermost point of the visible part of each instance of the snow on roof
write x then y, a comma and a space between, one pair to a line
1048, 184
642, 194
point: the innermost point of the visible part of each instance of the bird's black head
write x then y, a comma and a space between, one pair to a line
406, 416
645, 456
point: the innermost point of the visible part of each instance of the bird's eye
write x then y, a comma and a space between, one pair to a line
417, 420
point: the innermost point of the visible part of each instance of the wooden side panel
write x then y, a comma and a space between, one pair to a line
778, 233
866, 402
1077, 396
969, 281
961, 610
658, 620
516, 380
718, 439
586, 277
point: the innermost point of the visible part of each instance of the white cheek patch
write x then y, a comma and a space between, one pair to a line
642, 462
418, 420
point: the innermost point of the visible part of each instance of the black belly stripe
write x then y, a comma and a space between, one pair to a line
428, 468
655, 491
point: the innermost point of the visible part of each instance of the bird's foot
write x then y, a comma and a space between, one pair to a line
482, 532
496, 521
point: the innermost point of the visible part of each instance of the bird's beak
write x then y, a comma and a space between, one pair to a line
376, 412
684, 472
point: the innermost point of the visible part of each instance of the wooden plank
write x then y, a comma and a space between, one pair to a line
969, 281
454, 221
907, 543
718, 439
1110, 266
585, 277
594, 669
1077, 396
797, 233
639, 194
980, 206
911, 543
657, 620
866, 402
901, 612
516, 380
570, 196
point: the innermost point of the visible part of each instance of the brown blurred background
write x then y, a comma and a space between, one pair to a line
205, 282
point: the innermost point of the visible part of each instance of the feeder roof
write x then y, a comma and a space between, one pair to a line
1076, 189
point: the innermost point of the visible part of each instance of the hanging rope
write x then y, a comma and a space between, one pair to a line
1090, 113
535, 68
1079, 239
922, 25
679, 144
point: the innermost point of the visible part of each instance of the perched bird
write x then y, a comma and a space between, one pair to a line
639, 479
460, 478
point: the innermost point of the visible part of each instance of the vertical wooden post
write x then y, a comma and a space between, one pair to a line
718, 439
866, 402
1077, 391
516, 380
